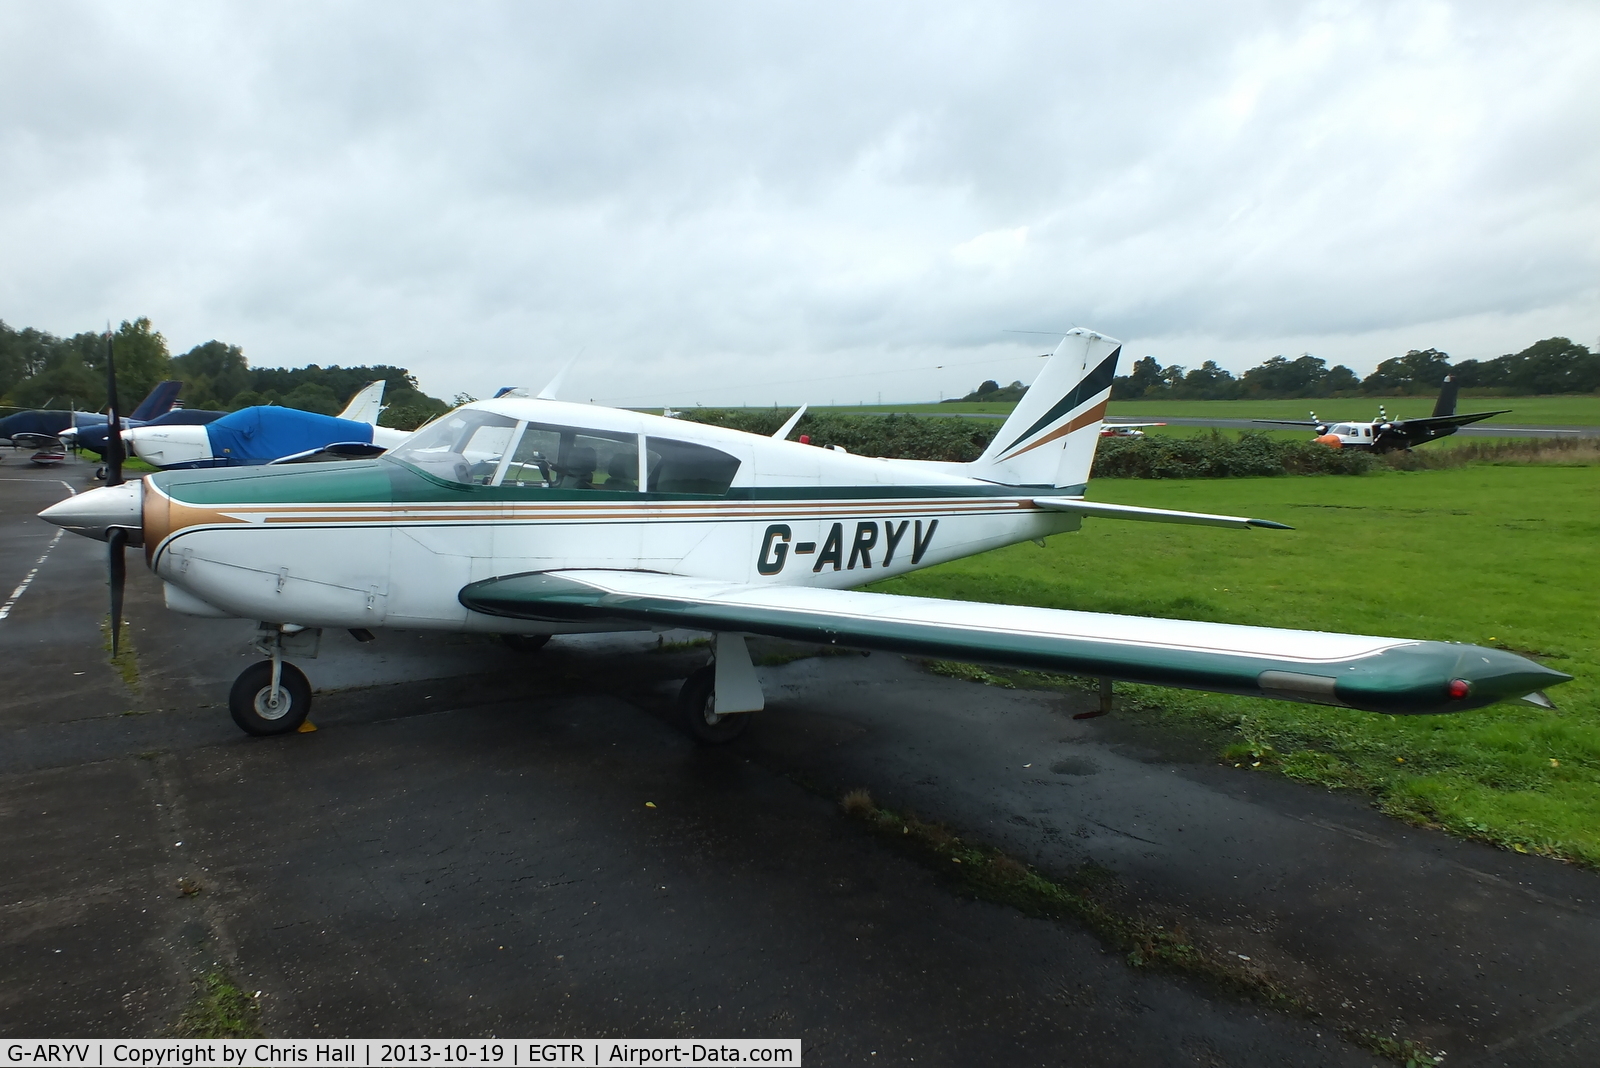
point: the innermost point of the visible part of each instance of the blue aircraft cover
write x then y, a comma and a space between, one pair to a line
266, 432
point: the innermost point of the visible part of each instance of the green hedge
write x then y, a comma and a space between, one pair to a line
911, 437
906, 437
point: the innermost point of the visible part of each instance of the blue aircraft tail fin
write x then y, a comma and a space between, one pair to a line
158, 401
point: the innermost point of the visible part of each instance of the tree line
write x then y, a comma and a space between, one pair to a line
1554, 365
38, 370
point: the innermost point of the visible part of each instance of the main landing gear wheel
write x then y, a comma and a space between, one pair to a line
695, 708
251, 699
525, 643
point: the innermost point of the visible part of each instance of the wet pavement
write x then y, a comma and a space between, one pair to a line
478, 842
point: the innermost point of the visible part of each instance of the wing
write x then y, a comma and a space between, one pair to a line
1289, 422
1376, 674
1439, 422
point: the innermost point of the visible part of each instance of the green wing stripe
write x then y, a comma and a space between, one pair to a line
1385, 675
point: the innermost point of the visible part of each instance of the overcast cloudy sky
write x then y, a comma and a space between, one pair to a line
758, 202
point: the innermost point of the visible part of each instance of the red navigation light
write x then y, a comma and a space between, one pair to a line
1459, 688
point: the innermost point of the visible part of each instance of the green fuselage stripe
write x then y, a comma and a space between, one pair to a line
385, 481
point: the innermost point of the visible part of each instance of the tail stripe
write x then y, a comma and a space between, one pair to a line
1097, 380
1093, 415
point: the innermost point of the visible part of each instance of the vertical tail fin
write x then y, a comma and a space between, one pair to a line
1446, 404
366, 405
158, 401
1050, 437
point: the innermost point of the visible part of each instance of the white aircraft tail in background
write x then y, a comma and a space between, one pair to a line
366, 405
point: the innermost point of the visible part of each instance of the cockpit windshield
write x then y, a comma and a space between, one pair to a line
465, 446
478, 448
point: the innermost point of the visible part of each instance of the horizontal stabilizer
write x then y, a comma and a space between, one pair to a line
1355, 671
1152, 515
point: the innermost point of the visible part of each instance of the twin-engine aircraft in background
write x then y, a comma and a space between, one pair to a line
529, 517
1388, 435
270, 434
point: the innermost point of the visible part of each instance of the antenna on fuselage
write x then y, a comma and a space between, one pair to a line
549, 392
783, 431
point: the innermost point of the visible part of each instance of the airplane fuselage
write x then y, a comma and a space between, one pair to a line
391, 542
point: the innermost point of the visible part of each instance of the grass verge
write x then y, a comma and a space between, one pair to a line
1498, 556
220, 1010
126, 662
982, 872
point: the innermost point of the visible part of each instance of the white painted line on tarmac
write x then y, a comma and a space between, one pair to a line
16, 594
69, 488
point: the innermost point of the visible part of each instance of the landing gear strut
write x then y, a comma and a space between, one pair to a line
717, 701
274, 697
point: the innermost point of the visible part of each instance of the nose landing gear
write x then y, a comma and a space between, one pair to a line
259, 707
273, 696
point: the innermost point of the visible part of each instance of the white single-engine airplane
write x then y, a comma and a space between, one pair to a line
530, 517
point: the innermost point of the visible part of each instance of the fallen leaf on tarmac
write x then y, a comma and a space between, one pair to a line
649, 804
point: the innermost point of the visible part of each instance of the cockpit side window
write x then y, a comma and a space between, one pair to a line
687, 467
564, 457
463, 446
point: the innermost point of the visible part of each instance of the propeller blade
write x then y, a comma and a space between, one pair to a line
116, 542
114, 453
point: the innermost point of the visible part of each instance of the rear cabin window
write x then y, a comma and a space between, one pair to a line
564, 457
685, 467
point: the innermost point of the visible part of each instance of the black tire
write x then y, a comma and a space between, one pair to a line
525, 643
694, 709
248, 700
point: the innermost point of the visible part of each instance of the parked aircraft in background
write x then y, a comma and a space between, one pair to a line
1387, 435
1125, 430
267, 434
530, 517
45, 427
94, 438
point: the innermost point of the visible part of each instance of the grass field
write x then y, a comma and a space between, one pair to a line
1580, 410
1494, 555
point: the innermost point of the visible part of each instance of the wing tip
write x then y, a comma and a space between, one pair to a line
1268, 524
